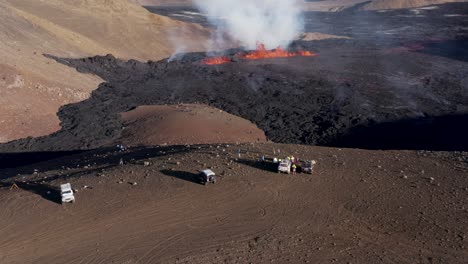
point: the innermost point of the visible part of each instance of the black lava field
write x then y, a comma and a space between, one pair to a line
387, 92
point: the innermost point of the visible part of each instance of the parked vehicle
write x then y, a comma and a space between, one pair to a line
307, 166
67, 193
284, 166
207, 176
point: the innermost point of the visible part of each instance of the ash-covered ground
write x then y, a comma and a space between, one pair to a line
399, 82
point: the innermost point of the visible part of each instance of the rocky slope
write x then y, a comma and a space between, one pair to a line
33, 87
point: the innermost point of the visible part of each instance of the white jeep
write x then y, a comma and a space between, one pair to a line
284, 166
207, 176
67, 193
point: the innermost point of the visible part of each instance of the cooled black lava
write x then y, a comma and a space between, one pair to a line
408, 92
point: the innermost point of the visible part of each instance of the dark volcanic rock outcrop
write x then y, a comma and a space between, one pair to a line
399, 82
333, 99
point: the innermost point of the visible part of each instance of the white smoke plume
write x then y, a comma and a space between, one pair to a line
175, 36
271, 22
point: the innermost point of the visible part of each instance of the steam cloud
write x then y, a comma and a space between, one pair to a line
271, 22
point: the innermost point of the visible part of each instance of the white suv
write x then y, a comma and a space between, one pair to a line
284, 166
67, 193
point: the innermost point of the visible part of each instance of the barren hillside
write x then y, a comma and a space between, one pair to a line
397, 4
340, 5
163, 2
33, 87
185, 124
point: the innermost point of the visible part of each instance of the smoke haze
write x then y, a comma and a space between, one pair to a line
271, 22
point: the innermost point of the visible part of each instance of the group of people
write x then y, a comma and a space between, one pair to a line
294, 162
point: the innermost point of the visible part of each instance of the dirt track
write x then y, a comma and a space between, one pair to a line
359, 207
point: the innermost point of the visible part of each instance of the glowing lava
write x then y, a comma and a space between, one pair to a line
260, 53
263, 53
216, 60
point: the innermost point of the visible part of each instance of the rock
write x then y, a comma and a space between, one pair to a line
134, 183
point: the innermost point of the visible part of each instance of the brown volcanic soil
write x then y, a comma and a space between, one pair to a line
33, 87
19, 102
405, 89
323, 5
396, 4
358, 207
186, 124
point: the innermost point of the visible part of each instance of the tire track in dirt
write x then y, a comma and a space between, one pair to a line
251, 212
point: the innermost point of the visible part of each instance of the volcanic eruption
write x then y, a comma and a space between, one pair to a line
263, 53
216, 60
260, 53
268, 26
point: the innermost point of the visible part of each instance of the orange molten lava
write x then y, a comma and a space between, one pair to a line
263, 53
260, 53
216, 60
